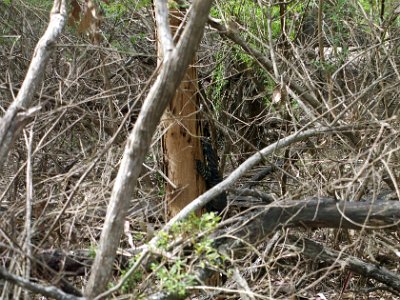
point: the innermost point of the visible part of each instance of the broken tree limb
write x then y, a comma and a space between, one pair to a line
318, 251
315, 213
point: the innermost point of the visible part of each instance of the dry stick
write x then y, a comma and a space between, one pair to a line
320, 33
28, 215
270, 40
242, 283
11, 123
48, 291
162, 92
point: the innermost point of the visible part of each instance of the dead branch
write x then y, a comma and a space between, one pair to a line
318, 251
163, 30
314, 213
48, 291
11, 123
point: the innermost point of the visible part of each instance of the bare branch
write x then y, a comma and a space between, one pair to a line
163, 31
29, 198
48, 291
316, 213
10, 124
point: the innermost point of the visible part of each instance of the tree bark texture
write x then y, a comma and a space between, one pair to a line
181, 140
181, 147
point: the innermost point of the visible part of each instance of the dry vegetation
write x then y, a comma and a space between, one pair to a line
69, 153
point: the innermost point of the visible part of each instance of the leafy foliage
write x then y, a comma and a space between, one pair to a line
175, 276
132, 280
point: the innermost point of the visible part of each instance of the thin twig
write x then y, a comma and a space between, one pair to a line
28, 215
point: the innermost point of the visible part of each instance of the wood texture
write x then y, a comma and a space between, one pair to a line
181, 142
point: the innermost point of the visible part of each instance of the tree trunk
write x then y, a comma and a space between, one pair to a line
160, 94
181, 139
